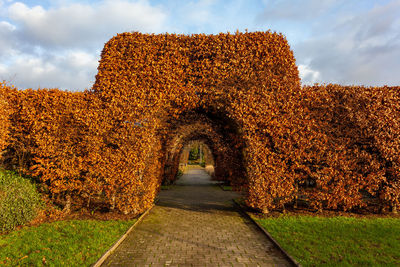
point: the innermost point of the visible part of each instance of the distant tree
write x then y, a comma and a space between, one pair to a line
194, 153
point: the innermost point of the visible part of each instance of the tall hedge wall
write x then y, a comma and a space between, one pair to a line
333, 146
355, 152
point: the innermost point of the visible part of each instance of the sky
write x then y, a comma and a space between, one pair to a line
57, 44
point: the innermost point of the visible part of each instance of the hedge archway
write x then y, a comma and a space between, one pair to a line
335, 146
219, 134
225, 85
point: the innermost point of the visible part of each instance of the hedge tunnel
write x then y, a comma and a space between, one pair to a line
225, 143
336, 147
217, 88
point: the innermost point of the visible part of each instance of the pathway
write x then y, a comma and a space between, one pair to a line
195, 224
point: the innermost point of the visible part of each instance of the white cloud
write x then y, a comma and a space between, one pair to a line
59, 46
75, 25
6, 39
361, 49
81, 59
307, 75
75, 70
3, 69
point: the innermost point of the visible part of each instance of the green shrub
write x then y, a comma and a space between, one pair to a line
19, 200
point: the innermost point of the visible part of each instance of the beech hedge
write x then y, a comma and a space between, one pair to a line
332, 146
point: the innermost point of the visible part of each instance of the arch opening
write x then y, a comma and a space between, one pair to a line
197, 152
221, 139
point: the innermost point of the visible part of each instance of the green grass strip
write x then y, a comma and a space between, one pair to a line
63, 243
337, 241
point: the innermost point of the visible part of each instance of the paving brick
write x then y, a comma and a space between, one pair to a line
195, 224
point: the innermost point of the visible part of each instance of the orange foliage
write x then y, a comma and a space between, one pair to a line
240, 82
355, 150
4, 115
335, 146
47, 137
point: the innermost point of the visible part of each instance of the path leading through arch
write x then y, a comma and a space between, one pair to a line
195, 224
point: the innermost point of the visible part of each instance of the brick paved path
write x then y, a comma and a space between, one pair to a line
195, 224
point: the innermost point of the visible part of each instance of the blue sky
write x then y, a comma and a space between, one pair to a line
57, 43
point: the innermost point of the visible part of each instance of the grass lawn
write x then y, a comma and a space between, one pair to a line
337, 241
62, 243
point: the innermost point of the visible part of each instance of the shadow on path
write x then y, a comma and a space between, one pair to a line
195, 224
196, 191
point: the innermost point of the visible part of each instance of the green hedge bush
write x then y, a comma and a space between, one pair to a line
19, 200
